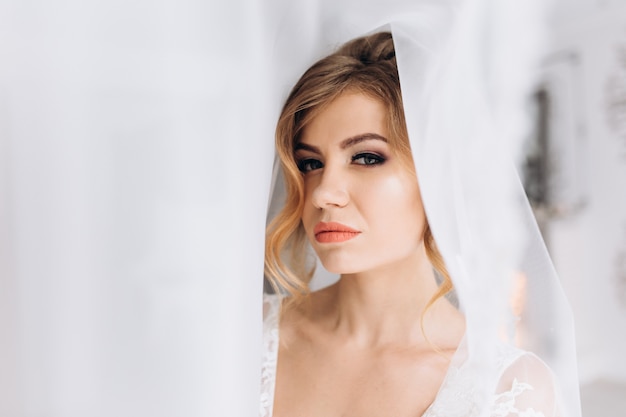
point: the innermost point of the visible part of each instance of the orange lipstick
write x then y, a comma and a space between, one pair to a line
333, 232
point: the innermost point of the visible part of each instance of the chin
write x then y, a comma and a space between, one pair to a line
333, 266
336, 265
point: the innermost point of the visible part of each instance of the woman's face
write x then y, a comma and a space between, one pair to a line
362, 207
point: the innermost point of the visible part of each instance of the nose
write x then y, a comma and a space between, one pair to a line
331, 190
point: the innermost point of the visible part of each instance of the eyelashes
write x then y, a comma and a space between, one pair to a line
366, 159
308, 165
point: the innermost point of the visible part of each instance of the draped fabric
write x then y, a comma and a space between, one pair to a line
136, 155
135, 162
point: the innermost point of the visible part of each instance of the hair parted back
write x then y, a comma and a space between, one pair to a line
366, 65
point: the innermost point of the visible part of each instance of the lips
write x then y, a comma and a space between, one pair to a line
333, 232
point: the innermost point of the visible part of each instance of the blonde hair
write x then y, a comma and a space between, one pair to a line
366, 65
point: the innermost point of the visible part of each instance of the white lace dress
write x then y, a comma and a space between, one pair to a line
528, 393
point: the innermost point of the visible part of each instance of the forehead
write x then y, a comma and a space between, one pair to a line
349, 115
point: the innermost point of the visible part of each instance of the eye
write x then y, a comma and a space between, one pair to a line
367, 159
309, 164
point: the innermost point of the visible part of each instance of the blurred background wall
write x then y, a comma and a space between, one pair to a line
582, 131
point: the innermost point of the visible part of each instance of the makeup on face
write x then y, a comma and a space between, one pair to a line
333, 232
310, 158
362, 208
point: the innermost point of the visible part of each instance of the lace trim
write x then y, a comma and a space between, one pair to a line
270, 353
457, 396
460, 396
504, 405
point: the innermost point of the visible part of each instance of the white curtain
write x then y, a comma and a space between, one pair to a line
135, 162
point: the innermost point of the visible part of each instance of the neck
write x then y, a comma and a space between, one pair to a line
385, 306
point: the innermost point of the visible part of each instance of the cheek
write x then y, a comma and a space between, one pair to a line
394, 193
396, 208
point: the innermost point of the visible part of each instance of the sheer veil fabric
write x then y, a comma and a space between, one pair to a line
466, 70
135, 160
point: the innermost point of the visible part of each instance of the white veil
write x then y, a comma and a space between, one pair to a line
466, 71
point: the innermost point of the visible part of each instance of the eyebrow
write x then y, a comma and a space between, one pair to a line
346, 143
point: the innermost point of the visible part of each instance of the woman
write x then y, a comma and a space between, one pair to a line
381, 341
